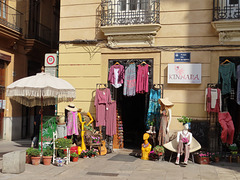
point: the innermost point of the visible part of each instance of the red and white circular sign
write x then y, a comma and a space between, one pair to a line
50, 59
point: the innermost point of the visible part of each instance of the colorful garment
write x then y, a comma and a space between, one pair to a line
111, 119
163, 135
154, 108
213, 100
116, 75
102, 101
130, 81
225, 73
227, 125
238, 85
142, 79
61, 131
72, 127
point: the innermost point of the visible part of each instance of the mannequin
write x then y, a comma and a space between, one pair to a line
184, 139
72, 127
61, 128
146, 147
166, 116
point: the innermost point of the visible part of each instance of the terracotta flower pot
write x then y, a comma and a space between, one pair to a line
35, 160
93, 155
217, 159
74, 159
47, 160
28, 159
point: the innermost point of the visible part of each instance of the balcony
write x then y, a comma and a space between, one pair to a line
10, 20
121, 19
226, 20
39, 32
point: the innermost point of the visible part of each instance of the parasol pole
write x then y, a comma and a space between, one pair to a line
41, 124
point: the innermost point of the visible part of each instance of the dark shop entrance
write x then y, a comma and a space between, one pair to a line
132, 110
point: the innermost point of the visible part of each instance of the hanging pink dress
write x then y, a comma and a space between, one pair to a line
72, 127
142, 79
102, 101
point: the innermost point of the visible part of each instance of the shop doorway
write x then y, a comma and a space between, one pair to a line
132, 110
229, 101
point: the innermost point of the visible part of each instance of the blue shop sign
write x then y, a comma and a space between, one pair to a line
182, 57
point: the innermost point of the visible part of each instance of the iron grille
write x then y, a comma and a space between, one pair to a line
226, 9
10, 17
129, 12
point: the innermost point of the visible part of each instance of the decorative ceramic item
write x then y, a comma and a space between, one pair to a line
59, 162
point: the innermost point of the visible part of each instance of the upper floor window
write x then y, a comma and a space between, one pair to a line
3, 9
226, 9
119, 12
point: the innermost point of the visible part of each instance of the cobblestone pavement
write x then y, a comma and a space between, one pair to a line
120, 165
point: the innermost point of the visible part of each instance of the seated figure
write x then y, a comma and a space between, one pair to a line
184, 139
146, 147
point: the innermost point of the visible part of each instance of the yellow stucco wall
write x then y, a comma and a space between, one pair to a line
183, 23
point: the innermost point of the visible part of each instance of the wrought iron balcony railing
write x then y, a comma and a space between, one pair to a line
129, 12
39, 32
226, 10
10, 17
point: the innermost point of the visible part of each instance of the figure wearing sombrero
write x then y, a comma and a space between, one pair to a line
166, 115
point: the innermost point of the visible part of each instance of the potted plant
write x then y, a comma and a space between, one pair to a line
215, 157
47, 156
233, 148
153, 156
94, 152
84, 153
74, 157
184, 120
62, 144
202, 157
35, 156
28, 155
159, 150
89, 153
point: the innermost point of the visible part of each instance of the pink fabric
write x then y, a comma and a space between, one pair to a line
183, 148
217, 107
142, 79
121, 74
72, 127
111, 119
102, 101
228, 129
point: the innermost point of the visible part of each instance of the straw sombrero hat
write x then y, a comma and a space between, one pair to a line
71, 107
165, 102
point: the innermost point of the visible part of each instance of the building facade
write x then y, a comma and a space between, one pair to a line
94, 34
28, 30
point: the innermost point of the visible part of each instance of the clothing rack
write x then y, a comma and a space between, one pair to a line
215, 144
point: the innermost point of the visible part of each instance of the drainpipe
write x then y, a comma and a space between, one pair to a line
56, 106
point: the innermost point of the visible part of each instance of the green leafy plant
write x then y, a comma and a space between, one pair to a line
184, 119
74, 154
35, 153
233, 147
94, 151
84, 153
29, 150
63, 143
48, 152
158, 149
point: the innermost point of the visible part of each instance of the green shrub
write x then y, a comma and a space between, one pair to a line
74, 154
29, 150
35, 153
48, 152
184, 119
63, 143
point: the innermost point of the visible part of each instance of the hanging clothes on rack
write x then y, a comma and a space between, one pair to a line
130, 81
238, 85
225, 73
102, 101
142, 79
227, 125
213, 100
153, 114
116, 75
